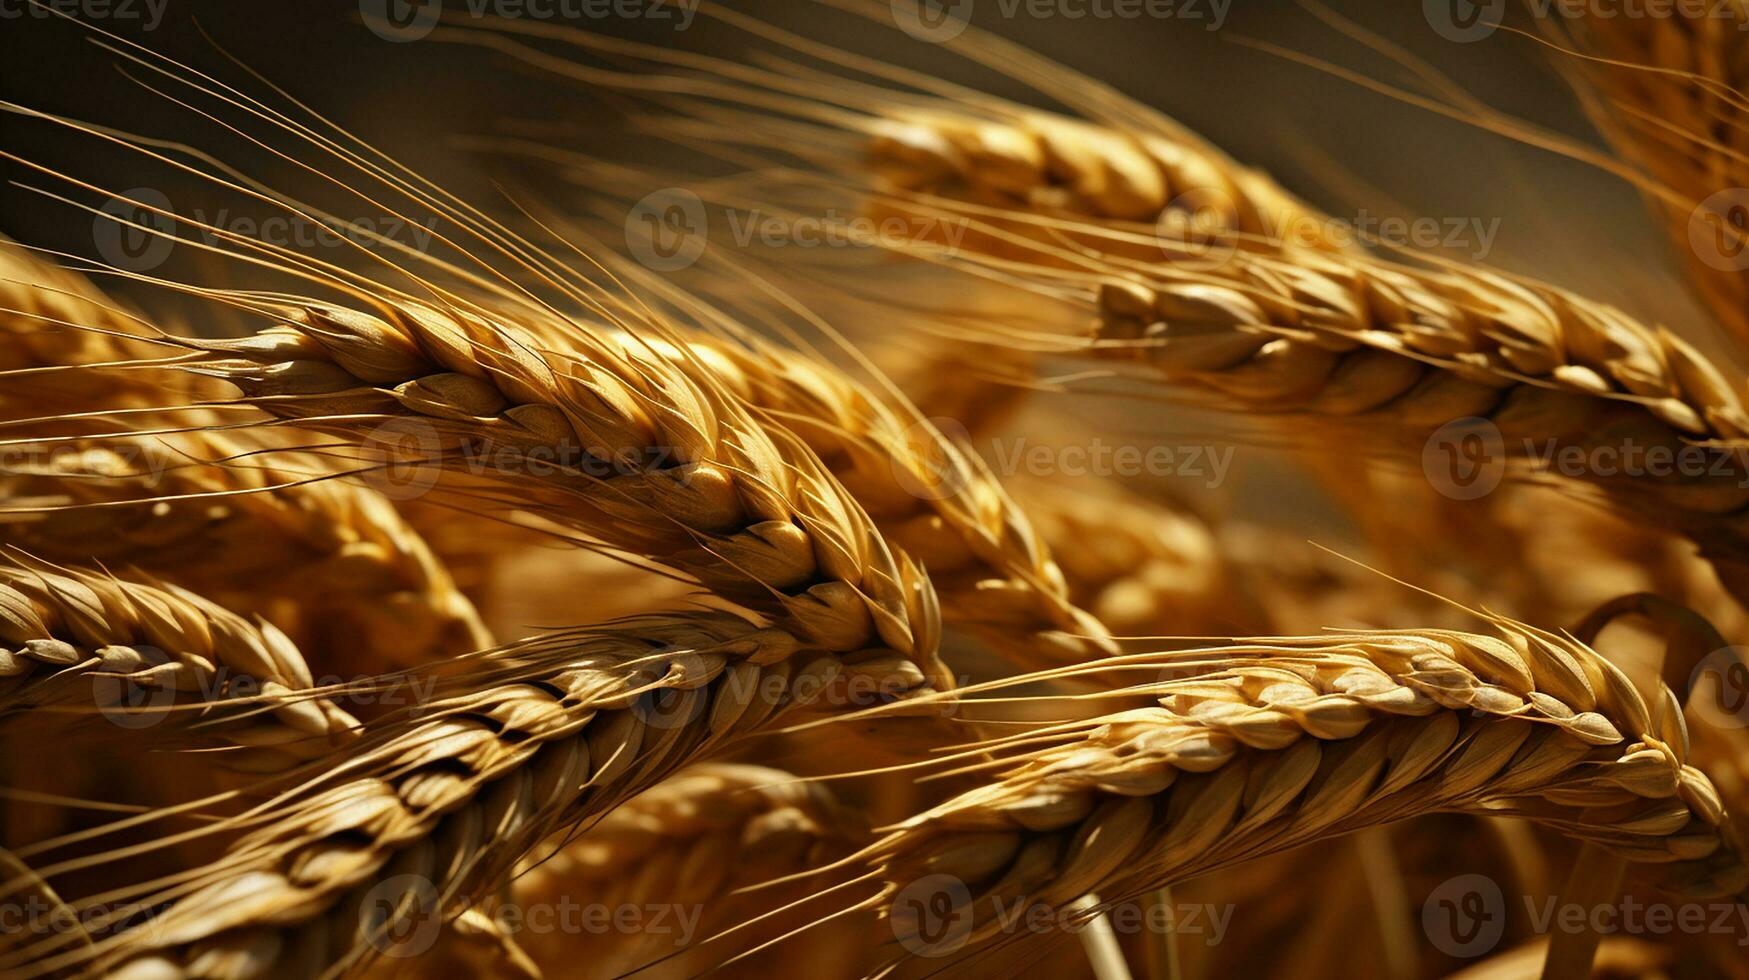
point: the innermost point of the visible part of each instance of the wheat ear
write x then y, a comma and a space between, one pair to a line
77, 641
642, 456
1254, 748
234, 515
1405, 352
429, 812
331, 562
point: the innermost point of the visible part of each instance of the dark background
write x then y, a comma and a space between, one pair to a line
1339, 145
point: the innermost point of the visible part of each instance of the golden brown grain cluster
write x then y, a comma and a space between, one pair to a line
1098, 561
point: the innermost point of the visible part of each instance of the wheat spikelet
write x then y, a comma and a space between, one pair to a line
1262, 747
83, 641
446, 801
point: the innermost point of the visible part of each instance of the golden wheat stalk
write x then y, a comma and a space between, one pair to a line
80, 644
615, 442
430, 811
1261, 746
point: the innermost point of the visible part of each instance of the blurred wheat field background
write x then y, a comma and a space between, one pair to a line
859, 488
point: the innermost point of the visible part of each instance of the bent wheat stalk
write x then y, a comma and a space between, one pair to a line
430, 811
1262, 746
931, 498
